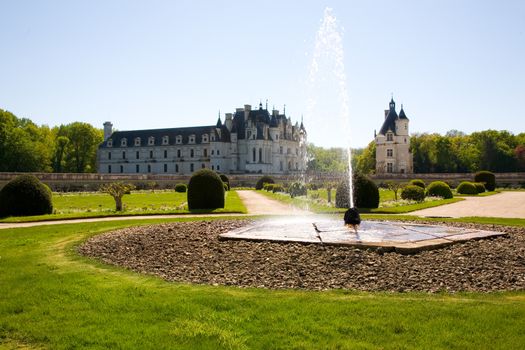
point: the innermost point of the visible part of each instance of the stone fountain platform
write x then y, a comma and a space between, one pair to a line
404, 238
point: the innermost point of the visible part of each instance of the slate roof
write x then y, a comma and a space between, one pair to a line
391, 117
402, 114
158, 134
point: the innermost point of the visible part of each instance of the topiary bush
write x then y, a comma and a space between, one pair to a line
467, 187
479, 186
487, 178
24, 196
366, 193
297, 189
181, 188
264, 180
268, 187
205, 190
225, 179
439, 189
413, 193
277, 188
417, 182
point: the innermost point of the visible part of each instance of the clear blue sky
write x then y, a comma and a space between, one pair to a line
148, 64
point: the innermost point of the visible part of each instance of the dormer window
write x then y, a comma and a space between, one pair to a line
212, 137
137, 141
178, 139
389, 137
165, 140
124, 142
151, 141
110, 143
192, 139
205, 138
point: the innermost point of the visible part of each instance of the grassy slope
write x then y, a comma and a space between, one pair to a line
50, 296
86, 205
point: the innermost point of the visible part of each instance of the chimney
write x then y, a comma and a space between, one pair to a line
386, 112
108, 130
229, 121
247, 109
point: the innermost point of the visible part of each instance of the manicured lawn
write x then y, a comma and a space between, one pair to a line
94, 204
51, 297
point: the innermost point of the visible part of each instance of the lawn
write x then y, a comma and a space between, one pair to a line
95, 204
51, 297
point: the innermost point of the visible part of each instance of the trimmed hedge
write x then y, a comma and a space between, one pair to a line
264, 180
25, 196
205, 190
225, 179
467, 187
487, 178
268, 187
277, 188
480, 187
439, 189
417, 182
366, 193
413, 193
297, 189
181, 188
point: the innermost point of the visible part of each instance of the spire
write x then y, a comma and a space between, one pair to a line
392, 103
260, 104
219, 121
284, 110
266, 104
302, 125
402, 114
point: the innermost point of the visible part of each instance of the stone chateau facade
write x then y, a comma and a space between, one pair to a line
249, 141
393, 153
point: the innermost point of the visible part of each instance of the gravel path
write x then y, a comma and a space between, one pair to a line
259, 204
502, 205
191, 252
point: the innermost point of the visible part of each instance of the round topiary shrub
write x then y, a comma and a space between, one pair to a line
225, 179
417, 182
467, 187
24, 196
413, 193
439, 189
480, 187
487, 178
366, 193
181, 188
297, 189
205, 190
277, 188
263, 180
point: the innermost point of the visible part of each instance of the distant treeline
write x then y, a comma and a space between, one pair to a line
27, 147
454, 152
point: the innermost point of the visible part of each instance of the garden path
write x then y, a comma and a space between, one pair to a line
502, 205
259, 204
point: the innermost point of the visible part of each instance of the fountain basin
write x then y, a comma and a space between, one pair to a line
387, 236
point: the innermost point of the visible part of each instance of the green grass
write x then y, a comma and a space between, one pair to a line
51, 297
94, 204
483, 194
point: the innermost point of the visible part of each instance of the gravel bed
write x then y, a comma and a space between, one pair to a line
191, 252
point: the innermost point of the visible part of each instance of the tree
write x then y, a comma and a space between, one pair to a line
519, 153
82, 147
117, 190
366, 161
394, 187
327, 159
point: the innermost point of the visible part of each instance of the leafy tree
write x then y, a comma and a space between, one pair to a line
117, 190
82, 147
366, 161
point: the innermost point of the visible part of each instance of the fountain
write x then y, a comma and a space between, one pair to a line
388, 236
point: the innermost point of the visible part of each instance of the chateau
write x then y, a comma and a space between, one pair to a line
393, 153
249, 141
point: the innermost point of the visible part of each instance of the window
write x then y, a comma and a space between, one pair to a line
137, 168
253, 154
192, 139
205, 138
297, 151
151, 141
212, 167
176, 168
121, 169
149, 168
137, 155
205, 152
165, 153
123, 142
137, 141
123, 154
192, 153
212, 137
281, 150
178, 153
389, 137
110, 143
151, 154
203, 166
249, 134
218, 167
260, 155
165, 168
212, 152
406, 127
277, 137
109, 169
281, 165
165, 140
191, 167
389, 152
178, 139
218, 152
405, 140
109, 155
389, 167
